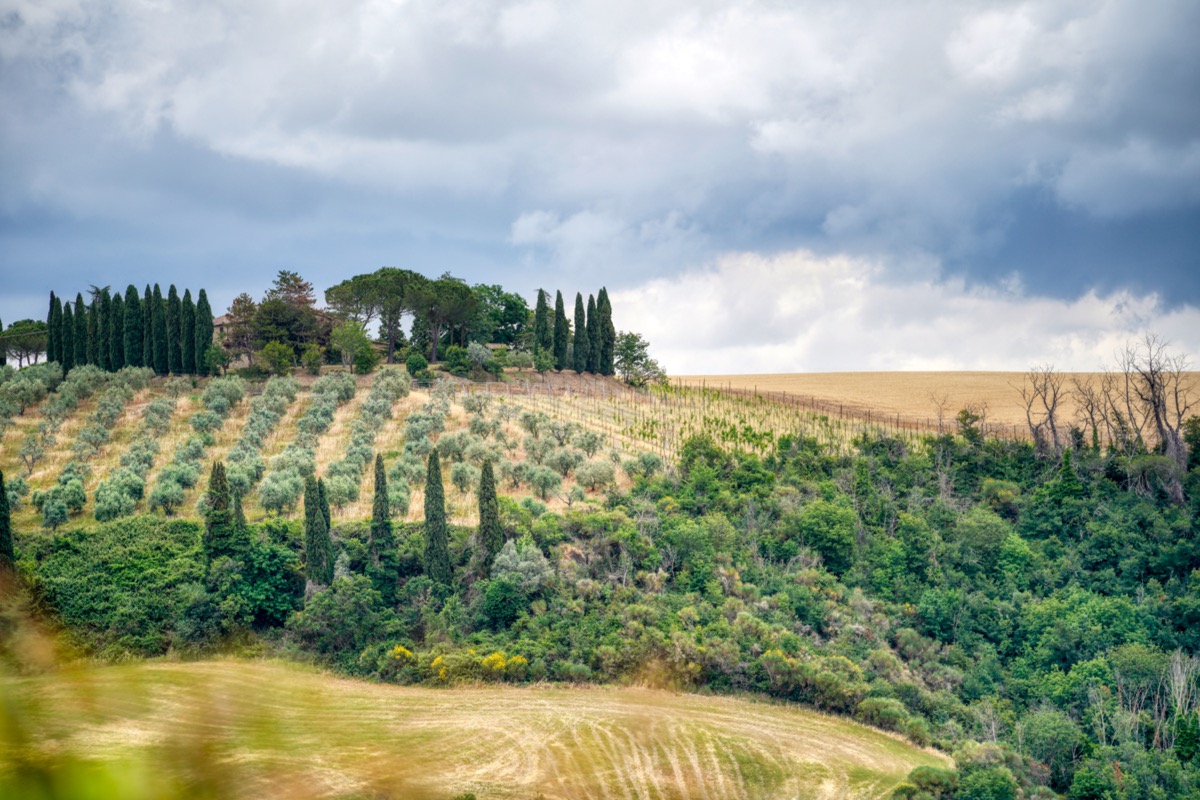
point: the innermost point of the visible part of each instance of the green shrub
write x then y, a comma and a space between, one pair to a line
456, 360
312, 358
277, 357
503, 602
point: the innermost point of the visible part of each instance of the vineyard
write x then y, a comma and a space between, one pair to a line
106, 445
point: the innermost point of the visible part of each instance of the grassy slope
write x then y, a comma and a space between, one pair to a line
288, 731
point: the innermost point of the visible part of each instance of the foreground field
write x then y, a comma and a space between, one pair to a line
260, 729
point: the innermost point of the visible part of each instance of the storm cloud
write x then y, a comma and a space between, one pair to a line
1053, 146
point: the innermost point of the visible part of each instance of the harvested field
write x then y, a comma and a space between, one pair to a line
913, 396
265, 729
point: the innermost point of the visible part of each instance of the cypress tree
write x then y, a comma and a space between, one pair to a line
310, 502
491, 534
381, 519
116, 333
324, 501
68, 337
219, 534
133, 344
8, 555
239, 515
81, 331
204, 333
580, 356
543, 334
608, 334
147, 328
60, 336
3, 347
159, 333
174, 354
103, 311
593, 329
318, 547
53, 328
437, 537
562, 334
93, 332
187, 333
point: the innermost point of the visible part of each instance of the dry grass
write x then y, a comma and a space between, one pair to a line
331, 446
121, 435
177, 432
45, 474
285, 731
227, 437
389, 442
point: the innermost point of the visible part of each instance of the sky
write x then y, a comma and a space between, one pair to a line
762, 186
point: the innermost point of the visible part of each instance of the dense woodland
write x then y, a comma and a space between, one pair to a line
446, 321
430, 321
1033, 610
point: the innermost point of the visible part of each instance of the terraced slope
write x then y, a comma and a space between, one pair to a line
265, 729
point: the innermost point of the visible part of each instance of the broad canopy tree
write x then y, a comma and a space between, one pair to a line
633, 362
388, 295
446, 304
25, 340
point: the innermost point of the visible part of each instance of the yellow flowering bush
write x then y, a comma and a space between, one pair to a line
493, 665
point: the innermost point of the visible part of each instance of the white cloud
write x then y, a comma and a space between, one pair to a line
798, 312
528, 23
990, 46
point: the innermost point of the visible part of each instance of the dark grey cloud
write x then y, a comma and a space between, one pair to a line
1055, 143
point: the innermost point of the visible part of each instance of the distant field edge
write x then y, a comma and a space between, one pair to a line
906, 399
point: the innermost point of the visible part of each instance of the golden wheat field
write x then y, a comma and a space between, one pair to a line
272, 730
914, 396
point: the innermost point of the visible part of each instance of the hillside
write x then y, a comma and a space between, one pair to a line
1031, 610
266, 729
526, 421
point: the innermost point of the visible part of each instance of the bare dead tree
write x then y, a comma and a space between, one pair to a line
1154, 390
1127, 402
940, 404
1098, 697
943, 465
989, 719
1042, 391
1090, 407
1183, 680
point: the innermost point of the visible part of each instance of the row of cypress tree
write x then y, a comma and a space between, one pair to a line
169, 335
588, 347
225, 524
